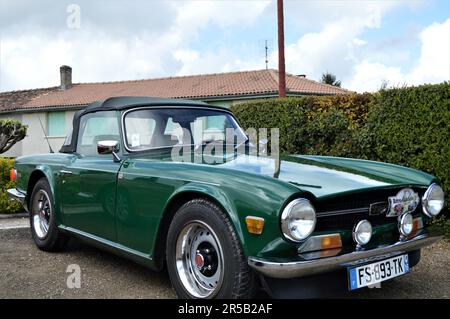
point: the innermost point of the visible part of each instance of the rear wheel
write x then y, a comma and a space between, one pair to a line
44, 230
204, 255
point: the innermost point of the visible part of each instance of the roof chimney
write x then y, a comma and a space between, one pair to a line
66, 77
302, 75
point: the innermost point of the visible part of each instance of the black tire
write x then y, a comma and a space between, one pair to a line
54, 240
238, 281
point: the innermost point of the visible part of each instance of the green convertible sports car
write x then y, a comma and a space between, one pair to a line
226, 223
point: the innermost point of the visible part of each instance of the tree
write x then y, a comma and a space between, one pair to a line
11, 132
330, 78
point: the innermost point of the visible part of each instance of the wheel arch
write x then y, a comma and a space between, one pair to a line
44, 171
183, 196
35, 176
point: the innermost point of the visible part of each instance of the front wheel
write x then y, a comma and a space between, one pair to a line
204, 255
44, 229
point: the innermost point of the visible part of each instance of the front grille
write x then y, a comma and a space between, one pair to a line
347, 221
342, 213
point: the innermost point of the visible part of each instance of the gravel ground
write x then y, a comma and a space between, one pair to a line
27, 272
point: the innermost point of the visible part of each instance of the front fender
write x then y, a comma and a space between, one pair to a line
49, 175
32, 175
240, 202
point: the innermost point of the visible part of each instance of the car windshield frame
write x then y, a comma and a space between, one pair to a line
229, 114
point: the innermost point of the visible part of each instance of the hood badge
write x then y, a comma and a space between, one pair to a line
379, 208
405, 201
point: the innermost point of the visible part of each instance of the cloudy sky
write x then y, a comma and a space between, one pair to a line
365, 43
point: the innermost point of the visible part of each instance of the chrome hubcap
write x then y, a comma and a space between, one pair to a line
199, 260
41, 213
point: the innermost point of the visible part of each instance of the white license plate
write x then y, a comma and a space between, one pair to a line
379, 271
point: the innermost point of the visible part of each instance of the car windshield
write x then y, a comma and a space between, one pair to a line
166, 127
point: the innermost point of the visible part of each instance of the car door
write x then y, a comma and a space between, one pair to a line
89, 181
142, 191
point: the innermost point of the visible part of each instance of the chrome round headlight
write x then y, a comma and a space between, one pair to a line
433, 200
298, 219
362, 232
405, 224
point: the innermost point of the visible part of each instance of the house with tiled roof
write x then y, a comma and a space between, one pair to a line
52, 109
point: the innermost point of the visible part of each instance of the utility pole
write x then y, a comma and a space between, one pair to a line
281, 65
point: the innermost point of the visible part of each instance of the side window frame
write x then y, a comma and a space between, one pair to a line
80, 128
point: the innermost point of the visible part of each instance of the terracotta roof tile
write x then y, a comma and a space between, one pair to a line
190, 87
12, 100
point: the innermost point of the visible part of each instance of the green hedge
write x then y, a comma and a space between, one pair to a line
442, 224
6, 205
406, 126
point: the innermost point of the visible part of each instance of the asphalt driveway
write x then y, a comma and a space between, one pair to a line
26, 272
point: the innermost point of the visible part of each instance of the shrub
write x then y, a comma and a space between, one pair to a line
289, 115
405, 126
327, 133
411, 127
310, 125
442, 225
11, 132
6, 205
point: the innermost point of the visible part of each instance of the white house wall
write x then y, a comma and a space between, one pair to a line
34, 142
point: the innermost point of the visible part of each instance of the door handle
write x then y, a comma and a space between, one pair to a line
64, 172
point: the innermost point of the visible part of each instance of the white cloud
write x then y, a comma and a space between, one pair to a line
370, 76
101, 51
433, 65
336, 47
319, 13
224, 60
434, 62
30, 61
358, 42
197, 14
156, 39
315, 53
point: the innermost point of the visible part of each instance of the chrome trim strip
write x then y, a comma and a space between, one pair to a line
171, 178
343, 212
15, 194
321, 253
310, 267
87, 235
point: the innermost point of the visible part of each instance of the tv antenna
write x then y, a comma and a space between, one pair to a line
266, 45
45, 135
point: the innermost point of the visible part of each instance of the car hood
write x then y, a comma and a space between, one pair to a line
322, 175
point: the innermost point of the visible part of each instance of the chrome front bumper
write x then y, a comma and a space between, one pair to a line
311, 267
17, 195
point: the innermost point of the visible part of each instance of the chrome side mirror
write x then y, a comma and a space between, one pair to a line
109, 147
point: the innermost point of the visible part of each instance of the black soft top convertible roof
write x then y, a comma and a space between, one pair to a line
123, 103
126, 102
